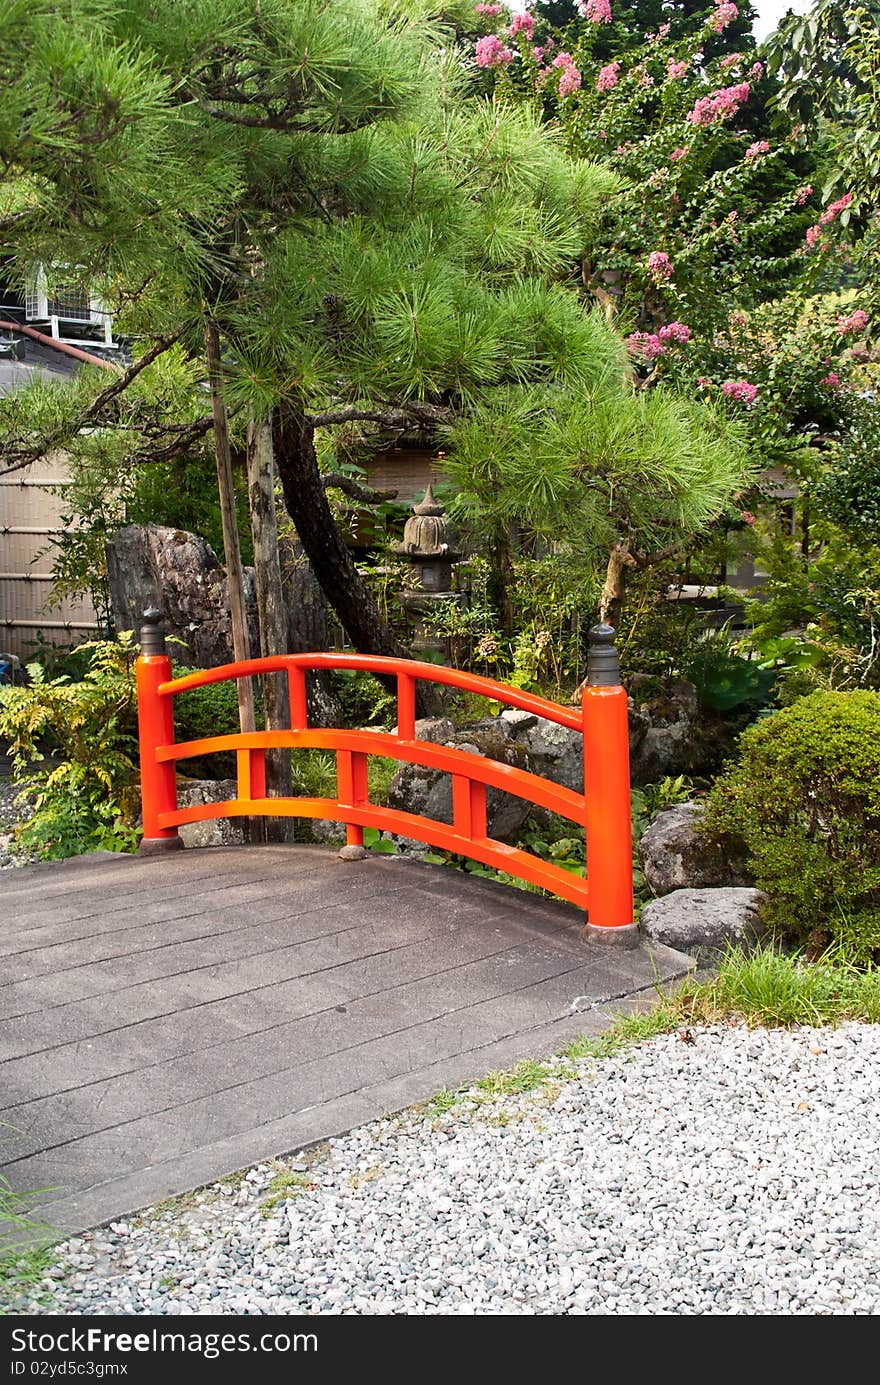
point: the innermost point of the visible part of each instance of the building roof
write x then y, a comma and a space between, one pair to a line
31, 359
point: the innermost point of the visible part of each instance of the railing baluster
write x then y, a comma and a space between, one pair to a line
468, 807
299, 710
257, 773
352, 789
406, 707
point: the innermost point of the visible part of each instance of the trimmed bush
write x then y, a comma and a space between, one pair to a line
805, 799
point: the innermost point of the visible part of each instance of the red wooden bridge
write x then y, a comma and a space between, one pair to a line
168, 1018
603, 809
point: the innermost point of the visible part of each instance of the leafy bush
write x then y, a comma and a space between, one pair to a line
88, 799
805, 799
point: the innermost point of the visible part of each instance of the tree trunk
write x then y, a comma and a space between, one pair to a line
271, 611
614, 590
231, 548
308, 630
332, 563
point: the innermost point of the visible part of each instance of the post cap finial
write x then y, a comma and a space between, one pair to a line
152, 632
603, 664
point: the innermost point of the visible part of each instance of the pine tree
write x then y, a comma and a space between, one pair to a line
377, 245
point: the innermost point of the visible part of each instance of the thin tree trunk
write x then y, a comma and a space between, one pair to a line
614, 591
308, 629
332, 563
271, 611
231, 547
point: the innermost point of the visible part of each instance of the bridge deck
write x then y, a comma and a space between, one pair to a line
165, 1021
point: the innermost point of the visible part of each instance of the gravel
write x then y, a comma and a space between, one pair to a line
12, 811
718, 1170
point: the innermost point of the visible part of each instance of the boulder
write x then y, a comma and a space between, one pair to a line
216, 831
328, 831
555, 752
705, 921
178, 572
675, 854
428, 792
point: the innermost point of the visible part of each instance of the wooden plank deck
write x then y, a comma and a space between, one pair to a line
167, 1020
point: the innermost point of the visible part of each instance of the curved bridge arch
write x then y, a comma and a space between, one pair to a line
603, 809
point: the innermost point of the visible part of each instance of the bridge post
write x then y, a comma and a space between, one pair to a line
155, 728
607, 795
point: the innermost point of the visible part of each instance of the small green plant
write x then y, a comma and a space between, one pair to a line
24, 1249
285, 1184
776, 989
805, 799
85, 798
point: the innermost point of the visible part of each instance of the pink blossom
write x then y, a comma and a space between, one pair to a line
760, 146
646, 344
831, 380
720, 106
537, 53
756, 72
659, 265
803, 194
645, 78
856, 322
814, 235
608, 77
570, 79
663, 31
740, 390
738, 320
597, 11
675, 331
522, 24
704, 382
676, 70
491, 52
730, 61
724, 14
747, 517
834, 208
680, 153
490, 11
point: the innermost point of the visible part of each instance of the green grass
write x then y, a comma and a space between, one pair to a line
285, 1184
764, 987
24, 1246
774, 989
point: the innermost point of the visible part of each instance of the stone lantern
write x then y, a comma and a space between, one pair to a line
430, 545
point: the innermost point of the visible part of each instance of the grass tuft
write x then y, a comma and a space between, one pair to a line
24, 1245
766, 987
285, 1184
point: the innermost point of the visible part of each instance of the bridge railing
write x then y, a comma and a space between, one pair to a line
603, 809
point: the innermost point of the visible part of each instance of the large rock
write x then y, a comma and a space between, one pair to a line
675, 854
178, 572
555, 752
215, 831
428, 792
705, 921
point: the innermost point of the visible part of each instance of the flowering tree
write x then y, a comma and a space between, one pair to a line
719, 215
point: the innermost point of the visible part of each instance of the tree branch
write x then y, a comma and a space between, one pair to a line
366, 494
394, 418
120, 384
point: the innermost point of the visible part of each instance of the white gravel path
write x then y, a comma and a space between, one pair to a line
737, 1173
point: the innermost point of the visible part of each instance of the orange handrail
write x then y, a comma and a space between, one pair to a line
603, 809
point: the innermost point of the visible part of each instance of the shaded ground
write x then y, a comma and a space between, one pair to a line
165, 1021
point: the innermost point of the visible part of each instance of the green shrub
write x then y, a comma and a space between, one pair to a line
85, 798
805, 799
